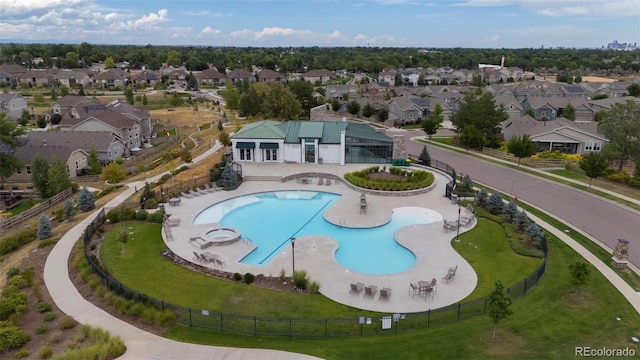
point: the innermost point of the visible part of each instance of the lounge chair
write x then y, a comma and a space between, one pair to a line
320, 181
221, 263
327, 181
196, 256
385, 294
356, 288
370, 291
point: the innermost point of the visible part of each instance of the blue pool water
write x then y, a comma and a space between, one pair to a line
270, 219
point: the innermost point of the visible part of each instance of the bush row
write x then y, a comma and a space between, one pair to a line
411, 180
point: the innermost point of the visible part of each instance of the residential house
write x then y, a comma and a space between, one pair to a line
376, 91
145, 78
269, 76
463, 76
321, 76
71, 78
75, 158
111, 78
240, 75
12, 104
551, 108
561, 134
11, 73
606, 104
388, 76
410, 77
75, 107
511, 105
408, 110
211, 77
126, 128
140, 114
574, 91
315, 142
38, 78
341, 92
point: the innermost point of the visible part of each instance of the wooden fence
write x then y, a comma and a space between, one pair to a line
38, 209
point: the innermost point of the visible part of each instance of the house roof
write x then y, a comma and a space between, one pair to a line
266, 129
269, 74
239, 74
210, 73
61, 144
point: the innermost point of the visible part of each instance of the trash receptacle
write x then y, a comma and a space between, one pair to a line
454, 199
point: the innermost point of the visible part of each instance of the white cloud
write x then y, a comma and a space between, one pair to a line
16, 7
209, 30
557, 8
493, 38
151, 19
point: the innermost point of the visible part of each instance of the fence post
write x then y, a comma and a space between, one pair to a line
290, 325
459, 306
326, 327
428, 318
221, 322
485, 305
524, 292
190, 320
255, 325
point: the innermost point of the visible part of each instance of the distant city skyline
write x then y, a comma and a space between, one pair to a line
325, 23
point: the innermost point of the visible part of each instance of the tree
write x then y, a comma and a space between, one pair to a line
304, 93
425, 158
335, 105
383, 115
521, 147
510, 211
109, 63
220, 126
580, 272
634, 90
69, 211
64, 91
185, 155
481, 112
58, 177
39, 175
41, 122
471, 137
250, 103
174, 58
176, 100
621, 126
224, 138
535, 233
353, 107
481, 199
368, 110
128, 93
431, 124
281, 103
578, 79
86, 200
45, 229
114, 173
398, 79
521, 220
231, 96
495, 205
498, 305
593, 165
24, 118
95, 166
144, 100
9, 164
54, 95
55, 119
569, 112
228, 178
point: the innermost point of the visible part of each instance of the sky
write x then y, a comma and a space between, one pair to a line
324, 23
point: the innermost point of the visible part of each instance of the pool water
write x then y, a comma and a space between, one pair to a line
271, 219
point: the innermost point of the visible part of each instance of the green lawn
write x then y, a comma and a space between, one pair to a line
547, 323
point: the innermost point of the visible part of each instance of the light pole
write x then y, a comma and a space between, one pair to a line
458, 227
293, 255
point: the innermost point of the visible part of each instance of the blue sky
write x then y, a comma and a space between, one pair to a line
267, 23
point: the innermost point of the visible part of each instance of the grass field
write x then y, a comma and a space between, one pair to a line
548, 323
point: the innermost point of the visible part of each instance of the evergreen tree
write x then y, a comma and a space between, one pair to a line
144, 100
95, 167
45, 229
368, 110
220, 126
383, 115
466, 183
499, 305
69, 211
39, 175
86, 200
535, 233
569, 112
495, 205
229, 178
425, 158
521, 221
483, 195
58, 177
510, 211
128, 93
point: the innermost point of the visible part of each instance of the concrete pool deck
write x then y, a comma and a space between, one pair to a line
314, 254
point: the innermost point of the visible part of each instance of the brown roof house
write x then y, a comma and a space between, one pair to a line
38, 78
111, 78
126, 128
321, 76
210, 76
71, 78
269, 76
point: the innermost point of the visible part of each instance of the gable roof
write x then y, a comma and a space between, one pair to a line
266, 129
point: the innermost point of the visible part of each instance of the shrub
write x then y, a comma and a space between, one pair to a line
42, 329
248, 278
13, 271
50, 316
237, 277
300, 280
620, 177
67, 323
14, 242
142, 215
22, 353
481, 199
45, 228
44, 307
156, 217
45, 352
114, 215
510, 211
521, 221
314, 287
86, 200
151, 203
12, 337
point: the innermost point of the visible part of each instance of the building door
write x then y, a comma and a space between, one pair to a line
310, 153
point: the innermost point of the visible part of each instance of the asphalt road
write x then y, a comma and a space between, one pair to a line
603, 220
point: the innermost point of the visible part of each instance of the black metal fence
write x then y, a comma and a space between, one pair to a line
309, 327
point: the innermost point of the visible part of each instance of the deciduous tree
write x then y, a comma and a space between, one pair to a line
114, 173
58, 177
593, 165
9, 164
481, 112
569, 112
580, 272
621, 126
431, 123
498, 305
521, 147
39, 175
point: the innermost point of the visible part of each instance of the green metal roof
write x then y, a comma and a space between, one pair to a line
364, 131
311, 130
266, 129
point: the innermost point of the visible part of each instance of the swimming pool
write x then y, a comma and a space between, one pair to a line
270, 219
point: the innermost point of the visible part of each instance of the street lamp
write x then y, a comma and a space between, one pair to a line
458, 227
293, 255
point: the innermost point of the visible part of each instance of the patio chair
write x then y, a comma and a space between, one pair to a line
356, 288
327, 181
413, 289
385, 294
196, 256
370, 291
320, 181
220, 263
434, 285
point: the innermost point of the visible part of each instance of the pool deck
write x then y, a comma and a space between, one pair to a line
314, 254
